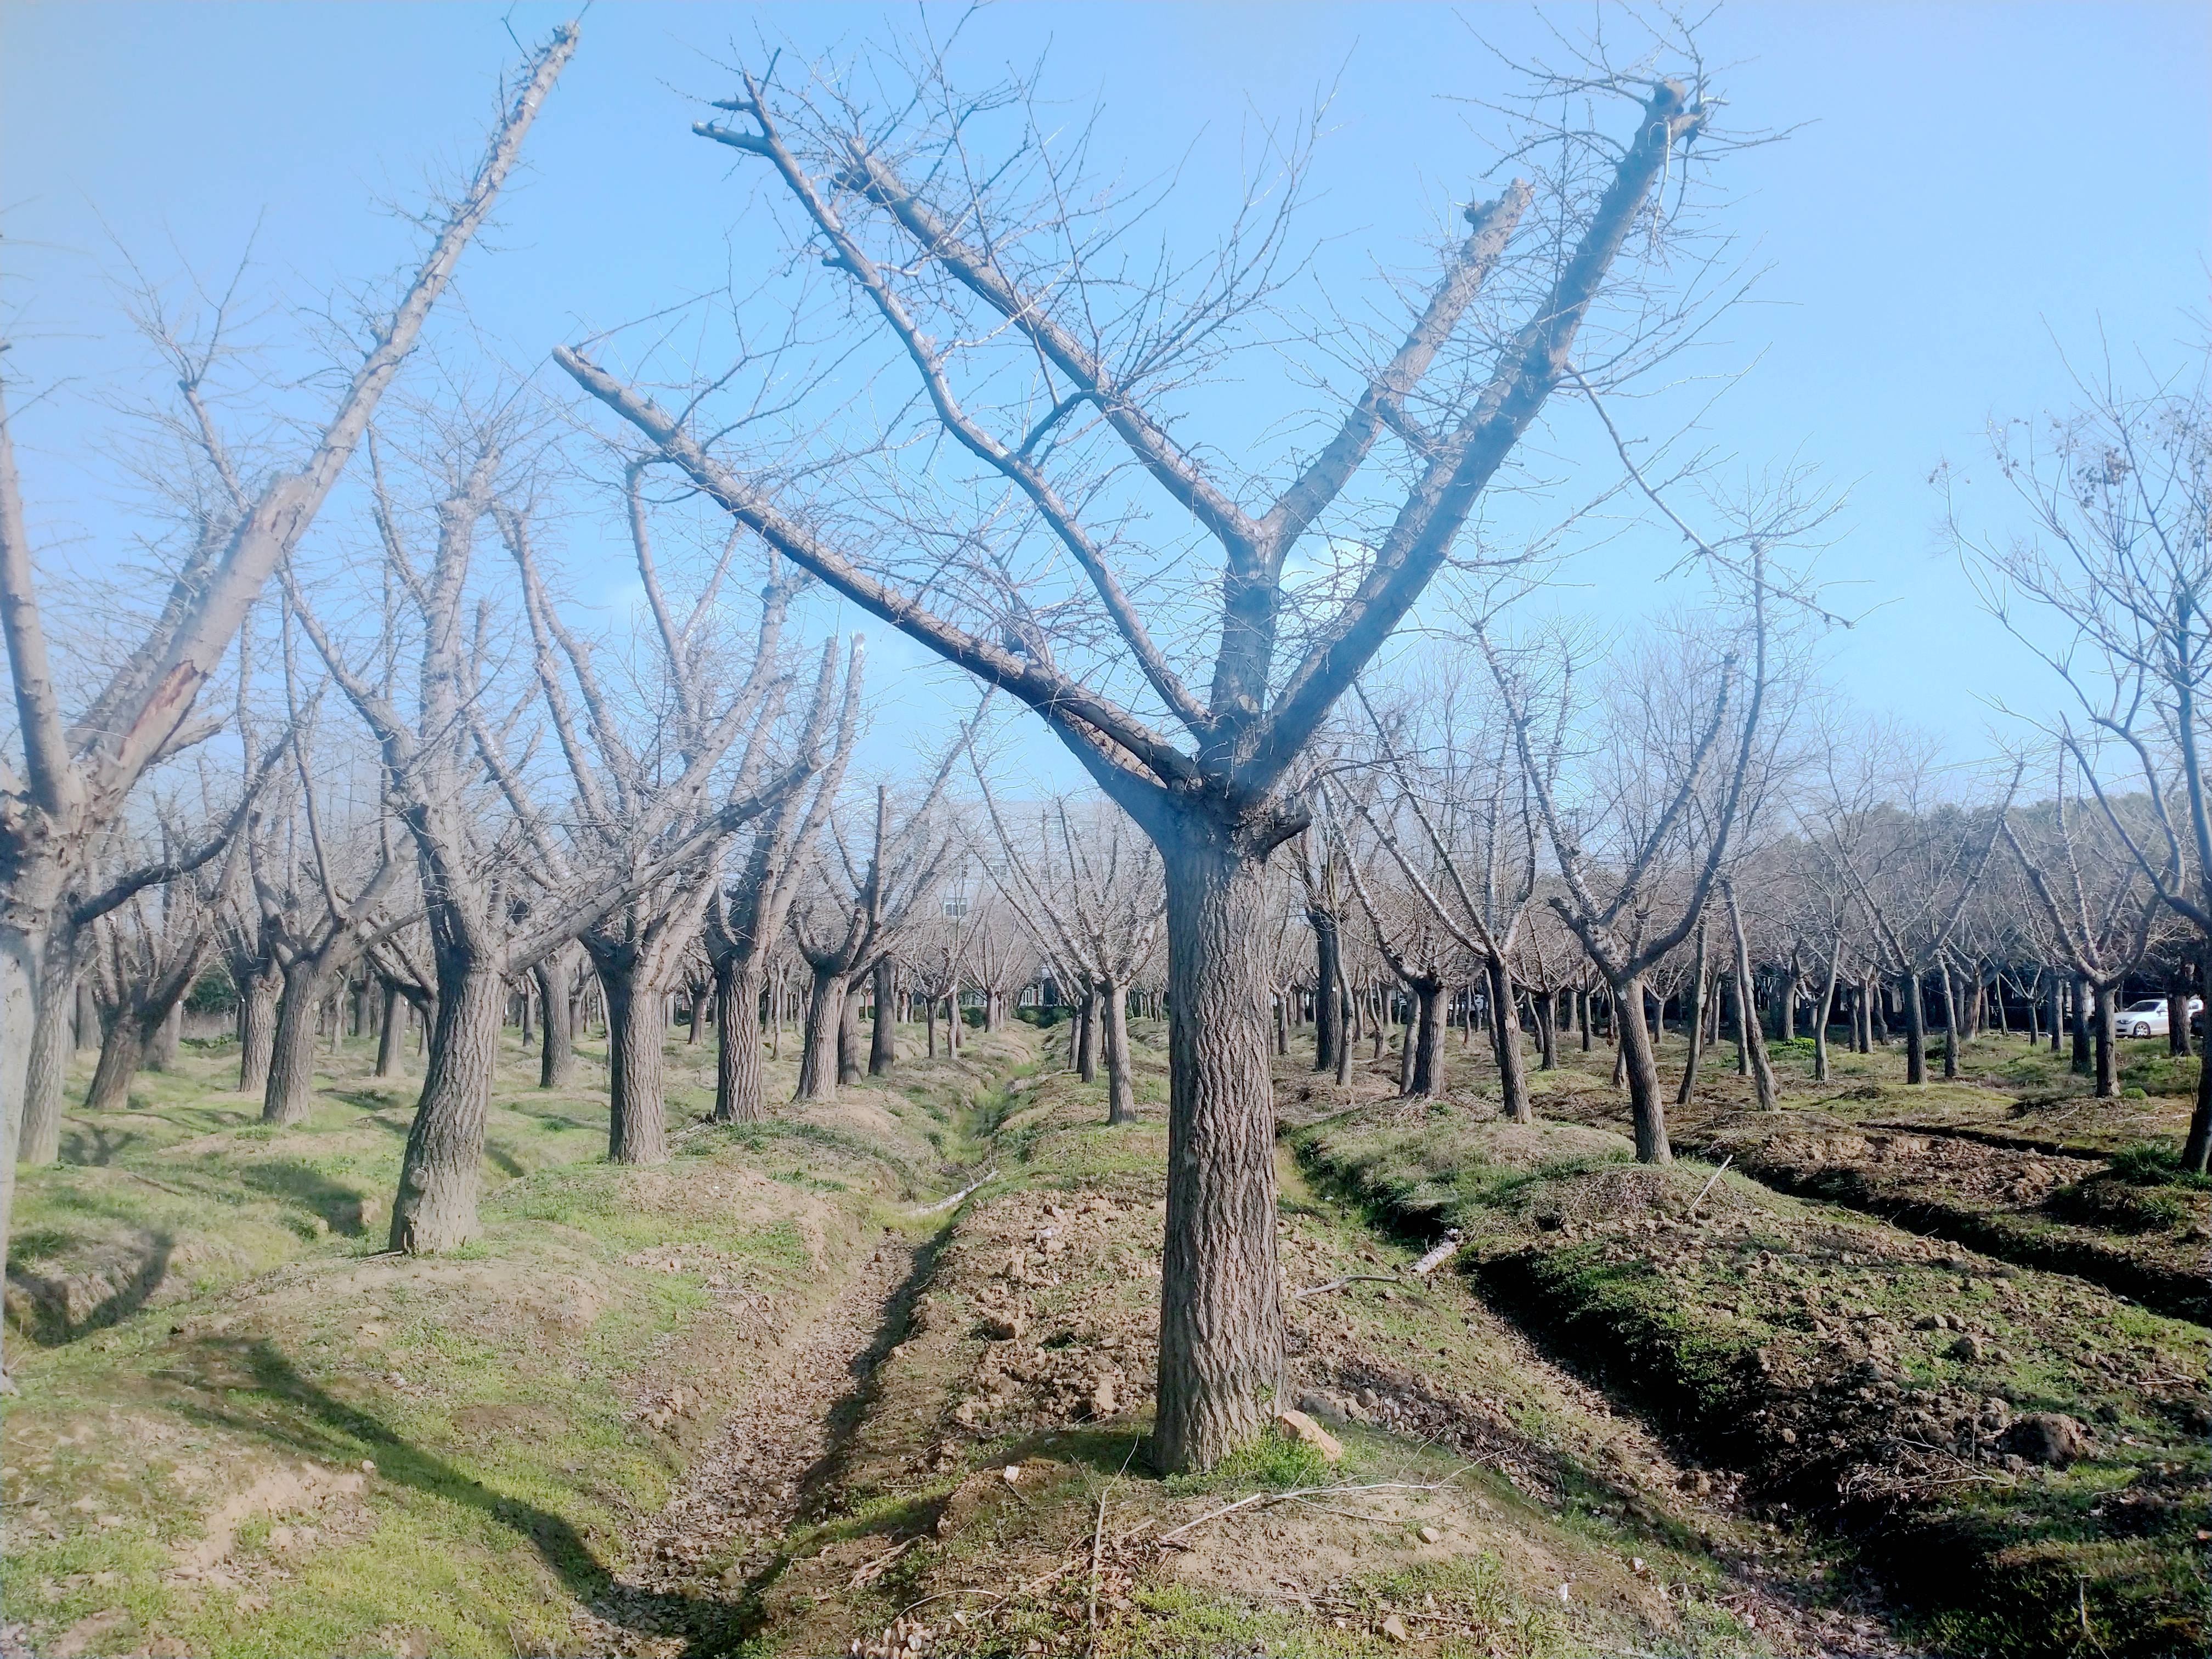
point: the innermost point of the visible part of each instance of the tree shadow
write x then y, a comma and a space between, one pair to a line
338, 1206
504, 1161
320, 1425
91, 1143
42, 1301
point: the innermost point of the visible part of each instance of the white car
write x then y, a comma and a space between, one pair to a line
2146, 1019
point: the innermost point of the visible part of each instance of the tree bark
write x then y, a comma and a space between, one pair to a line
258, 1007
1748, 1034
391, 1019
556, 1057
1916, 1030
288, 1095
1328, 998
1429, 1046
1505, 1046
817, 1054
122, 1051
1640, 1070
2057, 1008
637, 1115
850, 1070
2083, 1062
738, 1095
2177, 1009
2196, 1151
1821, 1012
883, 1035
435, 1207
51, 1042
1121, 1087
1694, 1027
1221, 1360
2104, 1010
1950, 1022
164, 1040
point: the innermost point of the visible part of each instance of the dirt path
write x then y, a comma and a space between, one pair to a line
693, 1582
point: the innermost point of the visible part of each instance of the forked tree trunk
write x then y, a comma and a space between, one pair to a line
883, 1036
1121, 1087
436, 1208
738, 1097
818, 1053
1639, 1068
288, 1095
1221, 1323
1916, 1030
637, 1114
1505, 1045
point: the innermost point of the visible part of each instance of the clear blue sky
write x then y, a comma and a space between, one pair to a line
1976, 189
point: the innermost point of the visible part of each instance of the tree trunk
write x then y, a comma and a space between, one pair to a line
556, 1058
1820, 1013
883, 1035
258, 1006
1916, 1031
738, 1095
122, 1050
50, 1041
2082, 1063
2196, 1151
1505, 1046
1086, 1038
2177, 1009
1582, 1017
817, 1054
929, 1025
849, 1067
1328, 1000
2106, 1012
1121, 1087
1221, 1363
290, 1093
1950, 1022
1639, 1067
1754, 1051
435, 1207
389, 1020
1429, 1040
1695, 1025
2057, 1008
637, 1114
167, 1038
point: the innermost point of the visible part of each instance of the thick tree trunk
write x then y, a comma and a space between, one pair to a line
2177, 1009
122, 1051
88, 1019
1221, 1364
850, 1068
883, 1035
1504, 1046
637, 1114
1583, 1018
1916, 1030
164, 1040
1328, 998
2104, 1010
817, 1054
1121, 1087
258, 1004
389, 1020
1429, 1040
738, 1095
1086, 1037
556, 1057
1639, 1068
289, 1095
436, 1208
1546, 1004
47, 1067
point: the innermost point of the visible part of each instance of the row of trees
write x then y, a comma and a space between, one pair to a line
958, 395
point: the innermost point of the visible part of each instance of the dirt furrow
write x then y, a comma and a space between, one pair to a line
693, 1584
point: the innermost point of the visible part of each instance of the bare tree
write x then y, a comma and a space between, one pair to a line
75, 775
980, 270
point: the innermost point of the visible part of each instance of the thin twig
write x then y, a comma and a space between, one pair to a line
1708, 1187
